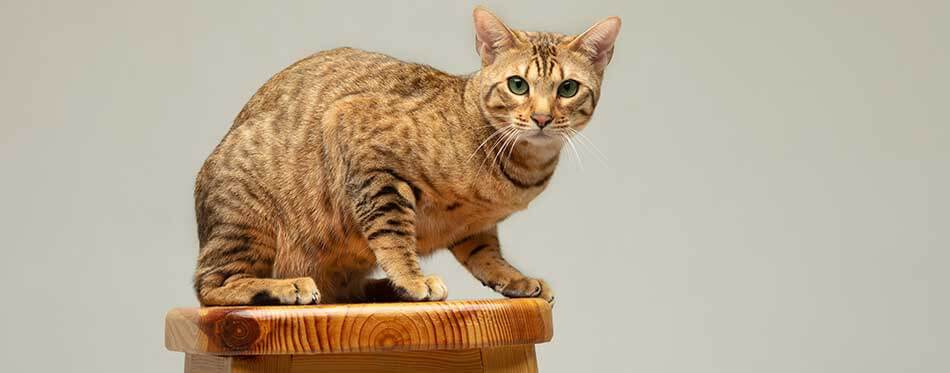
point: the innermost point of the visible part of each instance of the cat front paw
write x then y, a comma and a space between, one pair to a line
428, 288
527, 287
300, 290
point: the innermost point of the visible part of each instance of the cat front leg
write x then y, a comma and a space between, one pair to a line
480, 253
384, 206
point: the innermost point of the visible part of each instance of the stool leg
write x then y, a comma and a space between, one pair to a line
237, 364
206, 364
261, 364
454, 361
509, 359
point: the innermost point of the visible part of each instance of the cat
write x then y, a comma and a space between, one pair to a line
348, 160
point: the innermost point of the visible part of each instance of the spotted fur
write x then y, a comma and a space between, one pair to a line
348, 160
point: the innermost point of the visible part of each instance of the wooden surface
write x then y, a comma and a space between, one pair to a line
462, 361
508, 359
206, 364
380, 327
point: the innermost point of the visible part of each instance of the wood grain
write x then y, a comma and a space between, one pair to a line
510, 359
207, 364
380, 327
261, 364
456, 361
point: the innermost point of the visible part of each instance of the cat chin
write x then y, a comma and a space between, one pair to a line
539, 138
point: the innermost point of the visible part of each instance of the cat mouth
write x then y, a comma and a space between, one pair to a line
539, 136
541, 132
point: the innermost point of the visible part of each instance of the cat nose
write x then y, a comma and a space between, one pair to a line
541, 120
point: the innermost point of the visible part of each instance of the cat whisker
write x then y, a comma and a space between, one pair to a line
497, 132
511, 150
492, 148
505, 144
511, 135
576, 154
589, 143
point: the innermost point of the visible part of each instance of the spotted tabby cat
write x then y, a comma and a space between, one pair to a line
349, 159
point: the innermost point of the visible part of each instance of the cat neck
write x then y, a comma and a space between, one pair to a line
530, 164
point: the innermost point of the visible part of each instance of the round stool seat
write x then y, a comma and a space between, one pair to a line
363, 328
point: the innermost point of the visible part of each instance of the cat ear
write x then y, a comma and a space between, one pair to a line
491, 35
597, 43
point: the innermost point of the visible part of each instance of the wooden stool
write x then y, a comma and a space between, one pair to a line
457, 336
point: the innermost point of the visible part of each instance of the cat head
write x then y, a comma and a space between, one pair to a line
543, 85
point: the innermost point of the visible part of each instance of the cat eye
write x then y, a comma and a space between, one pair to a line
568, 88
517, 85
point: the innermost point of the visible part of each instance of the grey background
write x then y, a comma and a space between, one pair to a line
774, 194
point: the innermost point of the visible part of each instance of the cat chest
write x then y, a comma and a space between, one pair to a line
450, 215
438, 227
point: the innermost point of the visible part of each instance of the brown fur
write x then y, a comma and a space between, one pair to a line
349, 159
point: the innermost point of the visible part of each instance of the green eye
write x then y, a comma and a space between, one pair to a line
517, 85
568, 88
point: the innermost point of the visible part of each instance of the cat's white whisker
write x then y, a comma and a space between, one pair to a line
492, 148
576, 154
514, 142
500, 130
590, 143
501, 150
511, 150
507, 143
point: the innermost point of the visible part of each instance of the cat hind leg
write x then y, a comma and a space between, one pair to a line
233, 269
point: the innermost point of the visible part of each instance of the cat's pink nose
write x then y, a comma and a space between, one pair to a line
541, 120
